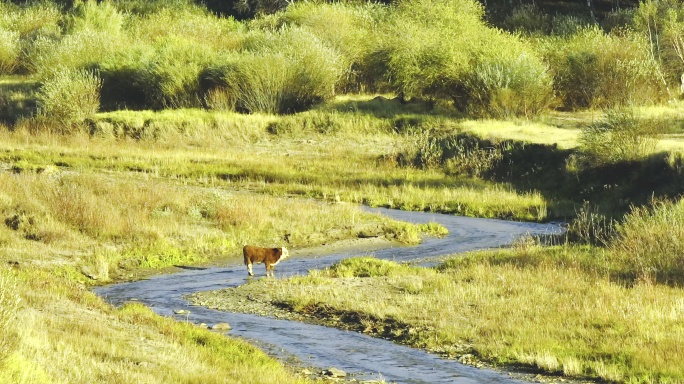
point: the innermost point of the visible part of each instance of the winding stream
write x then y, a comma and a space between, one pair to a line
362, 356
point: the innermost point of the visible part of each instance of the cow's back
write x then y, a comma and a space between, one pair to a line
254, 254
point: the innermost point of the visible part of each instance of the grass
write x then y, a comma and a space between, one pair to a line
237, 150
578, 322
65, 334
64, 228
118, 222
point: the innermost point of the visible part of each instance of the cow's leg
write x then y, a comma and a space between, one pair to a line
269, 269
249, 269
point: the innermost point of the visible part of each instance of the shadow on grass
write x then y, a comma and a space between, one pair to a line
383, 107
17, 100
613, 188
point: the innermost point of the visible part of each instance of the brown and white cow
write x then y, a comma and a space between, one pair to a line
269, 256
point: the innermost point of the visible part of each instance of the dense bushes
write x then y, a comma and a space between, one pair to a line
278, 72
592, 69
156, 55
442, 49
9, 51
351, 30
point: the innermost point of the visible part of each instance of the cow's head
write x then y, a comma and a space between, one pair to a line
285, 253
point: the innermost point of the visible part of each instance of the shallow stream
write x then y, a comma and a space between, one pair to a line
362, 356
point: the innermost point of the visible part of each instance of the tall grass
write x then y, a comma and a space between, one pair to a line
649, 240
9, 306
621, 136
10, 50
67, 334
159, 224
592, 69
527, 306
69, 97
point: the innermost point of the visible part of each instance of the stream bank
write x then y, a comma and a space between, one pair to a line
365, 357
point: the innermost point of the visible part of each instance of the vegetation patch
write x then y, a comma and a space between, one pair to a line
502, 307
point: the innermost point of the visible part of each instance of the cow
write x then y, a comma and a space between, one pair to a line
269, 256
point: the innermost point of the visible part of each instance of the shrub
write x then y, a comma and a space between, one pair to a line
661, 22
172, 75
592, 69
443, 50
9, 51
347, 28
621, 136
507, 86
189, 23
650, 242
285, 72
20, 27
365, 267
95, 16
528, 18
93, 32
457, 154
69, 97
165, 74
147, 7
125, 79
38, 18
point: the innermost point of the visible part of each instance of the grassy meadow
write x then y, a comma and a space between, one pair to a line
581, 317
140, 135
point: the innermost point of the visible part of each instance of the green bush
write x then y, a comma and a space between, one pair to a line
173, 73
125, 79
366, 267
592, 69
147, 7
69, 97
188, 23
21, 27
165, 74
347, 28
94, 31
95, 16
443, 50
10, 49
504, 86
36, 18
282, 72
621, 136
650, 242
661, 23
529, 19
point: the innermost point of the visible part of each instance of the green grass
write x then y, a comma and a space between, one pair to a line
64, 333
116, 223
238, 151
553, 309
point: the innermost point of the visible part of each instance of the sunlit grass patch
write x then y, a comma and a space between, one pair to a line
529, 131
